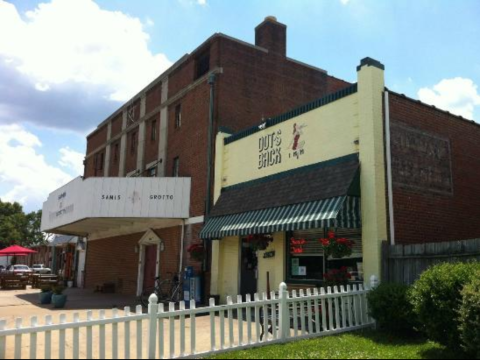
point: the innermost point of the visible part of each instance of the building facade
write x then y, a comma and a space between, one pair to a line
369, 164
162, 132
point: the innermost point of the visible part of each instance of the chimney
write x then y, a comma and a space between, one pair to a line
272, 35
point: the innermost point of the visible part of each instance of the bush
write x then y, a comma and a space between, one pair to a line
436, 299
46, 289
470, 318
390, 306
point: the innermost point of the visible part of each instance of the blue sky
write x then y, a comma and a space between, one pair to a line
64, 67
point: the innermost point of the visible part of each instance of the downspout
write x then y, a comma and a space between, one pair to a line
389, 169
211, 82
182, 245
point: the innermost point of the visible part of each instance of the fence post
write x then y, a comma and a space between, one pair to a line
3, 341
152, 324
284, 322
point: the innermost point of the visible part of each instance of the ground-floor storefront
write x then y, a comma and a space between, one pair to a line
265, 240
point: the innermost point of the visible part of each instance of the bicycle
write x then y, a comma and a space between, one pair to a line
167, 291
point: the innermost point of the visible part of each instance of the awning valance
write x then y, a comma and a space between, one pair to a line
342, 211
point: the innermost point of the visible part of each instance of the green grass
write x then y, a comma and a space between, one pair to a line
359, 345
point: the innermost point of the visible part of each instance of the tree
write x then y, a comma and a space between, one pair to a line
19, 228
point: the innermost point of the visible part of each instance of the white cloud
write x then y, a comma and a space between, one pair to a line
344, 2
24, 171
72, 160
202, 2
460, 96
77, 41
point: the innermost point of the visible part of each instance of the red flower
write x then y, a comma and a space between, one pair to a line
331, 235
325, 242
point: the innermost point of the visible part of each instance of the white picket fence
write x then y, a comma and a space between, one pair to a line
188, 333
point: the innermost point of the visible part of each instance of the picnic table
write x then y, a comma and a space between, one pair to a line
41, 280
11, 282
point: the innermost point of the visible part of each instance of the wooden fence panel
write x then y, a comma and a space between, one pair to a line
405, 263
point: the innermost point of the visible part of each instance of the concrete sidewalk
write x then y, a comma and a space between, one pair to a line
24, 304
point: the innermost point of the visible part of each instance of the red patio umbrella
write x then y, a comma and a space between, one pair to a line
16, 250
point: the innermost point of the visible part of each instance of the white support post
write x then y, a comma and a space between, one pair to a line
152, 323
284, 322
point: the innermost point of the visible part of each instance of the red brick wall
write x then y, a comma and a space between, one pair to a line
189, 143
90, 170
97, 139
181, 77
114, 259
151, 146
117, 125
426, 216
131, 155
114, 162
154, 97
256, 84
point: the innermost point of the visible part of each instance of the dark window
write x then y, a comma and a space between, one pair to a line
176, 167
153, 133
133, 143
115, 153
98, 163
178, 116
202, 64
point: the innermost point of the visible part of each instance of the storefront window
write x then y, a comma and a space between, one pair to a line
306, 261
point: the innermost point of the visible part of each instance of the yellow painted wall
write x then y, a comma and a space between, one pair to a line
372, 160
229, 267
276, 265
330, 132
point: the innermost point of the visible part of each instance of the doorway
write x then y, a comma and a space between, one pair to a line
248, 270
150, 267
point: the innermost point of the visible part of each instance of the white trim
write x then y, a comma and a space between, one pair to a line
149, 238
195, 220
389, 169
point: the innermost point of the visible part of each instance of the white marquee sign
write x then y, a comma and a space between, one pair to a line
167, 198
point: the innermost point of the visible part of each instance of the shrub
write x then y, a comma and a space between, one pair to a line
390, 306
46, 289
470, 318
436, 299
58, 290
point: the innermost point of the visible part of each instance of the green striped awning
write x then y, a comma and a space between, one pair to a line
342, 212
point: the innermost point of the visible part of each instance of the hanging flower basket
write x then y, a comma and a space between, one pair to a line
337, 277
337, 247
197, 252
259, 242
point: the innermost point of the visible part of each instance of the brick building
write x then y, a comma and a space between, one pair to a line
364, 162
411, 169
163, 132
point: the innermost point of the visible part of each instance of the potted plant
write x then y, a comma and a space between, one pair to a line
197, 252
336, 247
259, 241
58, 298
46, 295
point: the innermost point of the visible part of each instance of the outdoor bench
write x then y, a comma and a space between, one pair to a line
11, 282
